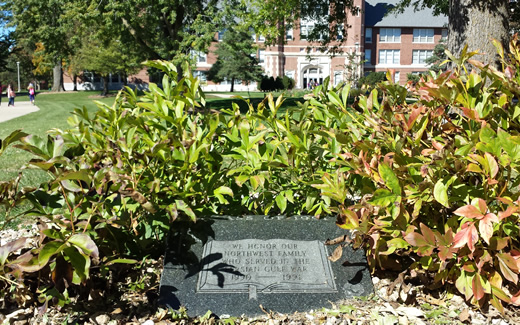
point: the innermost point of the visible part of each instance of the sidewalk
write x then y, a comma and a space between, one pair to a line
19, 109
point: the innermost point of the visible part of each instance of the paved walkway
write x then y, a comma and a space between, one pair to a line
19, 109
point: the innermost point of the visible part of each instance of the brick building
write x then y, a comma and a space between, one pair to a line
375, 39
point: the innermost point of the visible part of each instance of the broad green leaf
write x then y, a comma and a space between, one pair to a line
224, 190
121, 261
389, 177
383, 198
440, 193
281, 202
48, 250
85, 243
181, 205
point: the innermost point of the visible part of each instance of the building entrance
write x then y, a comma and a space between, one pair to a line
312, 76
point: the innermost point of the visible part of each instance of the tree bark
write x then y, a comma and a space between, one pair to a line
75, 81
105, 86
232, 84
476, 23
57, 80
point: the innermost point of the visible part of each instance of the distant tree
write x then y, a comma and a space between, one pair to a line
236, 58
439, 55
53, 23
105, 58
329, 18
5, 46
167, 30
372, 78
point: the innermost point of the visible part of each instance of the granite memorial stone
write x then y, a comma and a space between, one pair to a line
232, 265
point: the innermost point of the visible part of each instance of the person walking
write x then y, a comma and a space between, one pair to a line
11, 95
31, 93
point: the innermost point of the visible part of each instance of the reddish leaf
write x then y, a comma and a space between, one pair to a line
437, 145
445, 253
478, 289
516, 299
504, 214
470, 113
467, 235
482, 206
469, 211
427, 152
428, 234
485, 226
504, 200
424, 171
413, 116
445, 239
508, 267
425, 251
415, 239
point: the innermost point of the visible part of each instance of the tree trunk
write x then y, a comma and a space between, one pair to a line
232, 84
475, 23
57, 80
105, 86
75, 81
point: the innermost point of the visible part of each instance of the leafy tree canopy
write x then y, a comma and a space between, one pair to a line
236, 58
272, 18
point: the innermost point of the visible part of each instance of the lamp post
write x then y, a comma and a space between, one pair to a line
18, 65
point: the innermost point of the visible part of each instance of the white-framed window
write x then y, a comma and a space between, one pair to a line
368, 35
338, 77
290, 74
390, 35
289, 34
200, 57
368, 56
306, 27
261, 38
341, 28
420, 56
389, 56
200, 74
261, 56
221, 34
423, 35
444, 34
397, 77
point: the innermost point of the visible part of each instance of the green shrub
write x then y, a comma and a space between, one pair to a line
440, 179
272, 84
372, 79
430, 186
288, 83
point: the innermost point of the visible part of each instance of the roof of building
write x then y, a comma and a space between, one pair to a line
376, 15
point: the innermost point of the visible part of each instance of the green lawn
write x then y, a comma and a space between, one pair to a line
54, 111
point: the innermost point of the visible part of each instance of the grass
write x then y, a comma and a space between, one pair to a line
54, 111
